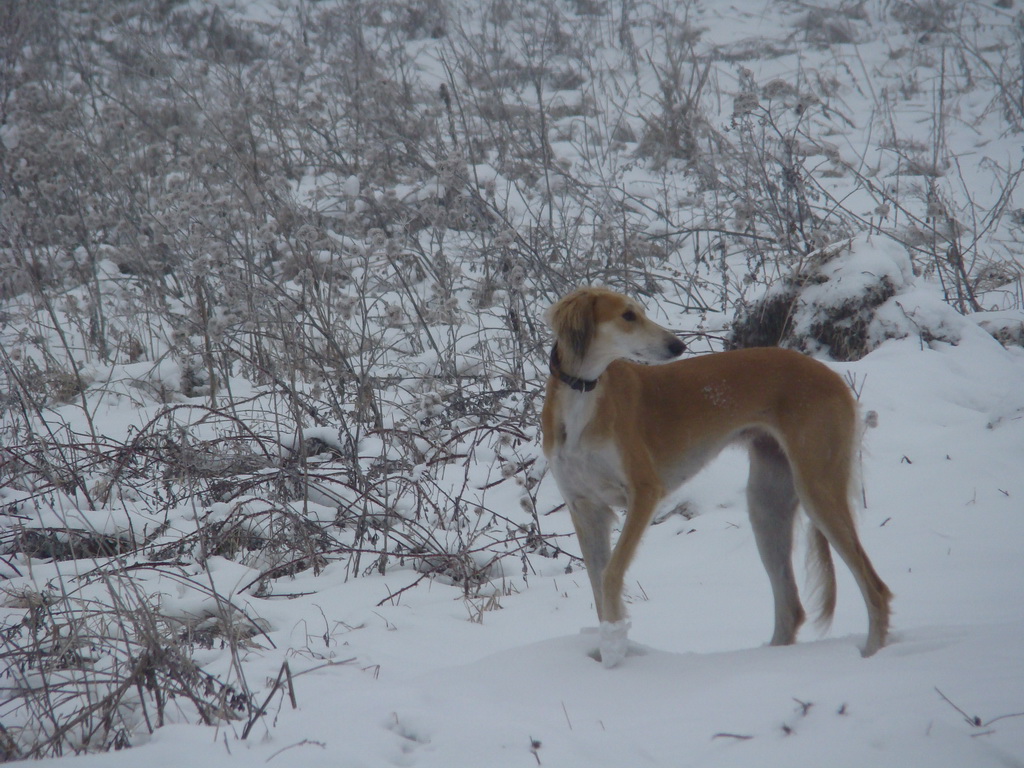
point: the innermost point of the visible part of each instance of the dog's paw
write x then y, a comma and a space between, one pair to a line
614, 642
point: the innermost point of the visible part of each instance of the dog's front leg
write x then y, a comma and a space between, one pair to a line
614, 627
593, 524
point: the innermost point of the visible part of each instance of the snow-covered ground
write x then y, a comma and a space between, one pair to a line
397, 669
434, 679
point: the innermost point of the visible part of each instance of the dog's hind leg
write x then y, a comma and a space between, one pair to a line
829, 509
593, 524
772, 503
822, 481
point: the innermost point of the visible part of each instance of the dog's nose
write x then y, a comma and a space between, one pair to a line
676, 347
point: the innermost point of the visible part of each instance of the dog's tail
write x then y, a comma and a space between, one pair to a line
823, 577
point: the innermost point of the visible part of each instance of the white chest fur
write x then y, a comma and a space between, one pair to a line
584, 466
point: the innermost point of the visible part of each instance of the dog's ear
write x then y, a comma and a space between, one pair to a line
572, 320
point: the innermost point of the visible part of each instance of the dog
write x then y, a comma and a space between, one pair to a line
620, 434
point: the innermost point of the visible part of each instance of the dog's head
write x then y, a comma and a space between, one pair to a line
594, 326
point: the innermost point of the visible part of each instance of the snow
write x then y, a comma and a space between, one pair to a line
401, 669
432, 678
863, 263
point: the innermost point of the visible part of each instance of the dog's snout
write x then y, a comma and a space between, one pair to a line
676, 347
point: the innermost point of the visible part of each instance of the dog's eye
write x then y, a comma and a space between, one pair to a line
629, 315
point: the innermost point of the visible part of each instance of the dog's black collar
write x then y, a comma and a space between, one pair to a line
580, 385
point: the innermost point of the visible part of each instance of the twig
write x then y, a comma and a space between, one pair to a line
1001, 717
284, 673
302, 743
973, 720
407, 587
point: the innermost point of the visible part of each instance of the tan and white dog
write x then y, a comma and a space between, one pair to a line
623, 434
